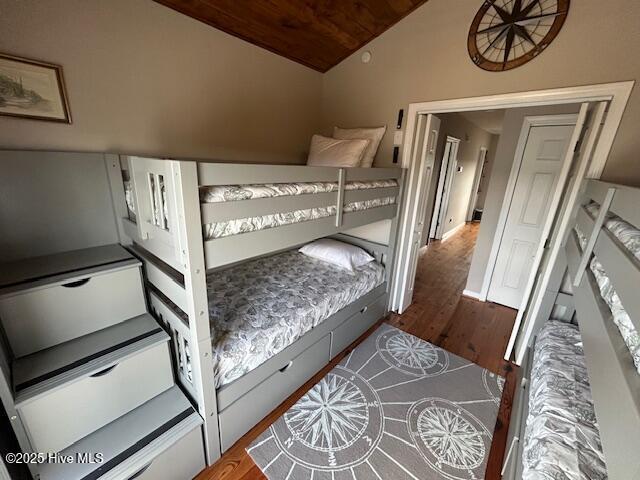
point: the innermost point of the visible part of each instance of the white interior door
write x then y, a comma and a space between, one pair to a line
445, 182
542, 159
427, 130
537, 309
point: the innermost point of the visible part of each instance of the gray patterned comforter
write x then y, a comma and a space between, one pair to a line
629, 236
561, 439
258, 308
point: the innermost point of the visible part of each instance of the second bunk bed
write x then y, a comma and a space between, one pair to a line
252, 318
577, 412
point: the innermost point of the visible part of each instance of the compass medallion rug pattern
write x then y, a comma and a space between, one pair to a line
396, 407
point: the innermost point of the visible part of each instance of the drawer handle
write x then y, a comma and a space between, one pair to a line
104, 372
364, 309
78, 283
141, 471
286, 367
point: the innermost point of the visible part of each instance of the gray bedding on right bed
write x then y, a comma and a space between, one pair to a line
561, 440
258, 308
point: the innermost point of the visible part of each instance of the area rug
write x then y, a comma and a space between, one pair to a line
396, 407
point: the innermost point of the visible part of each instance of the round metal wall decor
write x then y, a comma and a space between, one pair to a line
508, 33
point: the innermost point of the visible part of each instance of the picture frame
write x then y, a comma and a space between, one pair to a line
32, 89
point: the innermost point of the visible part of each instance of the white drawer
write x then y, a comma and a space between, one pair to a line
239, 417
44, 316
357, 324
182, 461
57, 418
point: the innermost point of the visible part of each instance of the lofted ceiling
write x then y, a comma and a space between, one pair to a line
315, 33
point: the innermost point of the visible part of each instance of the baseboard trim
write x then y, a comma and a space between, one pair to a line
472, 294
452, 232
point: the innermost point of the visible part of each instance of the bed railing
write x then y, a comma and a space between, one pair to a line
152, 198
168, 303
178, 328
233, 248
615, 383
151, 203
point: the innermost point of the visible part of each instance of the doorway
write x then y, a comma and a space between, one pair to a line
474, 212
594, 100
458, 164
445, 182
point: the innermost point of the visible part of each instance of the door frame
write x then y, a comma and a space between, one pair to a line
527, 125
445, 181
426, 144
482, 157
617, 94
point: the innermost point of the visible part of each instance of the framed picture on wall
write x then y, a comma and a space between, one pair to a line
32, 89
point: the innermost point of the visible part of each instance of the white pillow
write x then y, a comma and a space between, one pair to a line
337, 253
329, 152
374, 135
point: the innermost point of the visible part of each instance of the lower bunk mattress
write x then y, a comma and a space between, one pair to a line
561, 439
258, 308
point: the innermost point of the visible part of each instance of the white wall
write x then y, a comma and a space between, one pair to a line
424, 57
144, 79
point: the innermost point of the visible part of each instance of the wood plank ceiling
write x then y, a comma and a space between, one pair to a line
315, 33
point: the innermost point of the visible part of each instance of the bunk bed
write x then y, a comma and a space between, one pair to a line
251, 318
577, 411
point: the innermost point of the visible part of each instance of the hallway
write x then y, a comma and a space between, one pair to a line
440, 314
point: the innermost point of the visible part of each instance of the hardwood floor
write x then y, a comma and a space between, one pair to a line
440, 314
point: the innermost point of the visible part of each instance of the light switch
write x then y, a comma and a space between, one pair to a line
398, 136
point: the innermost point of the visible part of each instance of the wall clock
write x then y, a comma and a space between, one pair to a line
508, 33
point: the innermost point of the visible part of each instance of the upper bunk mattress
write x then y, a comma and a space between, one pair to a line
258, 308
561, 439
230, 193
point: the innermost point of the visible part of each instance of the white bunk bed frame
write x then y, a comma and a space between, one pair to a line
177, 259
615, 383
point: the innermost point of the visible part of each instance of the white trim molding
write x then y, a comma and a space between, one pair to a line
472, 294
452, 232
477, 178
445, 182
617, 94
